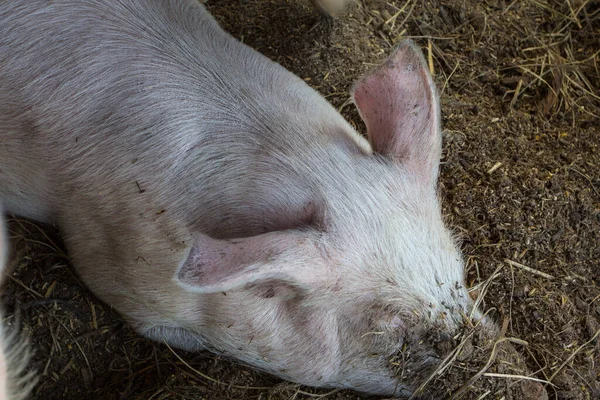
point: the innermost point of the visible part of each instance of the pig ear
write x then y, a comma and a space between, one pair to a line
399, 105
220, 265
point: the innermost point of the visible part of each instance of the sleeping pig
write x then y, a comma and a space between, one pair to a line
218, 202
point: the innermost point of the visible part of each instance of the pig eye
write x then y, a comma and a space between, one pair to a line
310, 215
274, 289
266, 292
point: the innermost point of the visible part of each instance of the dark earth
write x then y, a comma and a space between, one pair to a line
520, 183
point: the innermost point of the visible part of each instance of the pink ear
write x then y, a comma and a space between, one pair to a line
221, 265
399, 105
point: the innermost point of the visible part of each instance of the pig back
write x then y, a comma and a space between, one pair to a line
134, 125
121, 98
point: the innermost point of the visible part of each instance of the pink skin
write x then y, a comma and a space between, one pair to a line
396, 101
220, 265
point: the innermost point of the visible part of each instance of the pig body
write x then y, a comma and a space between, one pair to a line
216, 201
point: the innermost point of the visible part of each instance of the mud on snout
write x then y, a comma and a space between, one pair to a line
465, 361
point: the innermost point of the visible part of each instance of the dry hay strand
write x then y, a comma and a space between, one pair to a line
541, 55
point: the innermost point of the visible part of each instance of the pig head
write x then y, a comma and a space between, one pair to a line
368, 272
218, 202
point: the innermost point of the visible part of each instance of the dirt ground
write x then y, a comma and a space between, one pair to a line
520, 183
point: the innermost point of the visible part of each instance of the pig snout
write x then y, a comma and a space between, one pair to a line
458, 360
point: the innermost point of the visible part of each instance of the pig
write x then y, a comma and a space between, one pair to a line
15, 380
218, 202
